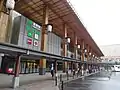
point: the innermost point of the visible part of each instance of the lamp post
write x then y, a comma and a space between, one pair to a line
49, 28
90, 55
93, 57
68, 42
85, 51
78, 46
10, 4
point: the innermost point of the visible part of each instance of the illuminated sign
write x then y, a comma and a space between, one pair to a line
29, 34
29, 41
36, 36
36, 26
35, 43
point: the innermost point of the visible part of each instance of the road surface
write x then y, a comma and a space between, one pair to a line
100, 81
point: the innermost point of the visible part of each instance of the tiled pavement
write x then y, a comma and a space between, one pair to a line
32, 82
44, 85
29, 82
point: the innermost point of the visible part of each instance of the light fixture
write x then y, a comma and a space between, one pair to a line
49, 27
10, 4
89, 53
28, 52
78, 46
85, 50
2, 54
93, 55
68, 40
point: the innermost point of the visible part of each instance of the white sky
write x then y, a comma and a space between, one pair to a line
101, 18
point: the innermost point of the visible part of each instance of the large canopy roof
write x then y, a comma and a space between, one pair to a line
60, 12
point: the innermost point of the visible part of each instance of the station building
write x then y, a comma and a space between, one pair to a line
40, 32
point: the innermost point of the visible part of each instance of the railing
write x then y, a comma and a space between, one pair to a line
63, 79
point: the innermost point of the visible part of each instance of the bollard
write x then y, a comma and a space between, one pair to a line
67, 76
73, 76
56, 79
60, 77
77, 74
62, 85
73, 73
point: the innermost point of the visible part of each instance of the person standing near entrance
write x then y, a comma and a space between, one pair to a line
52, 70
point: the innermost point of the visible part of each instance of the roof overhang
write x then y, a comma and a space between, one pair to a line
60, 12
14, 50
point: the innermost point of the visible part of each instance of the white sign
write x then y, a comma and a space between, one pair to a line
35, 43
10, 4
36, 26
36, 36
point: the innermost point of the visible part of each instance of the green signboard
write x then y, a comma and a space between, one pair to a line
29, 34
29, 22
32, 31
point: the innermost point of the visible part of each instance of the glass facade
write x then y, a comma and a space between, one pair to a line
29, 66
26, 66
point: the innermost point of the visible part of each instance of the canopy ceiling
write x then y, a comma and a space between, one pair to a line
60, 12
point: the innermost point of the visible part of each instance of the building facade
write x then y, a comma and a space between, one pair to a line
26, 33
112, 53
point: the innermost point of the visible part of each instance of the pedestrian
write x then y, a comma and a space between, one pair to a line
52, 70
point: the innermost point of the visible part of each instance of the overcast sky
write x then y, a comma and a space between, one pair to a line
101, 18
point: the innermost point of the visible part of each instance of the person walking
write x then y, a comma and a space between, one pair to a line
52, 70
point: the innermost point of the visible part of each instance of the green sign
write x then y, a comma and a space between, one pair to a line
28, 27
32, 32
29, 22
37, 32
29, 34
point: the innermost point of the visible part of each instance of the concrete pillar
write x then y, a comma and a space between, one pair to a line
82, 49
89, 53
75, 50
88, 50
93, 57
82, 55
3, 22
65, 64
16, 74
75, 47
42, 69
87, 58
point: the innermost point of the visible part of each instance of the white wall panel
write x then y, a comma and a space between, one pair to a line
54, 44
